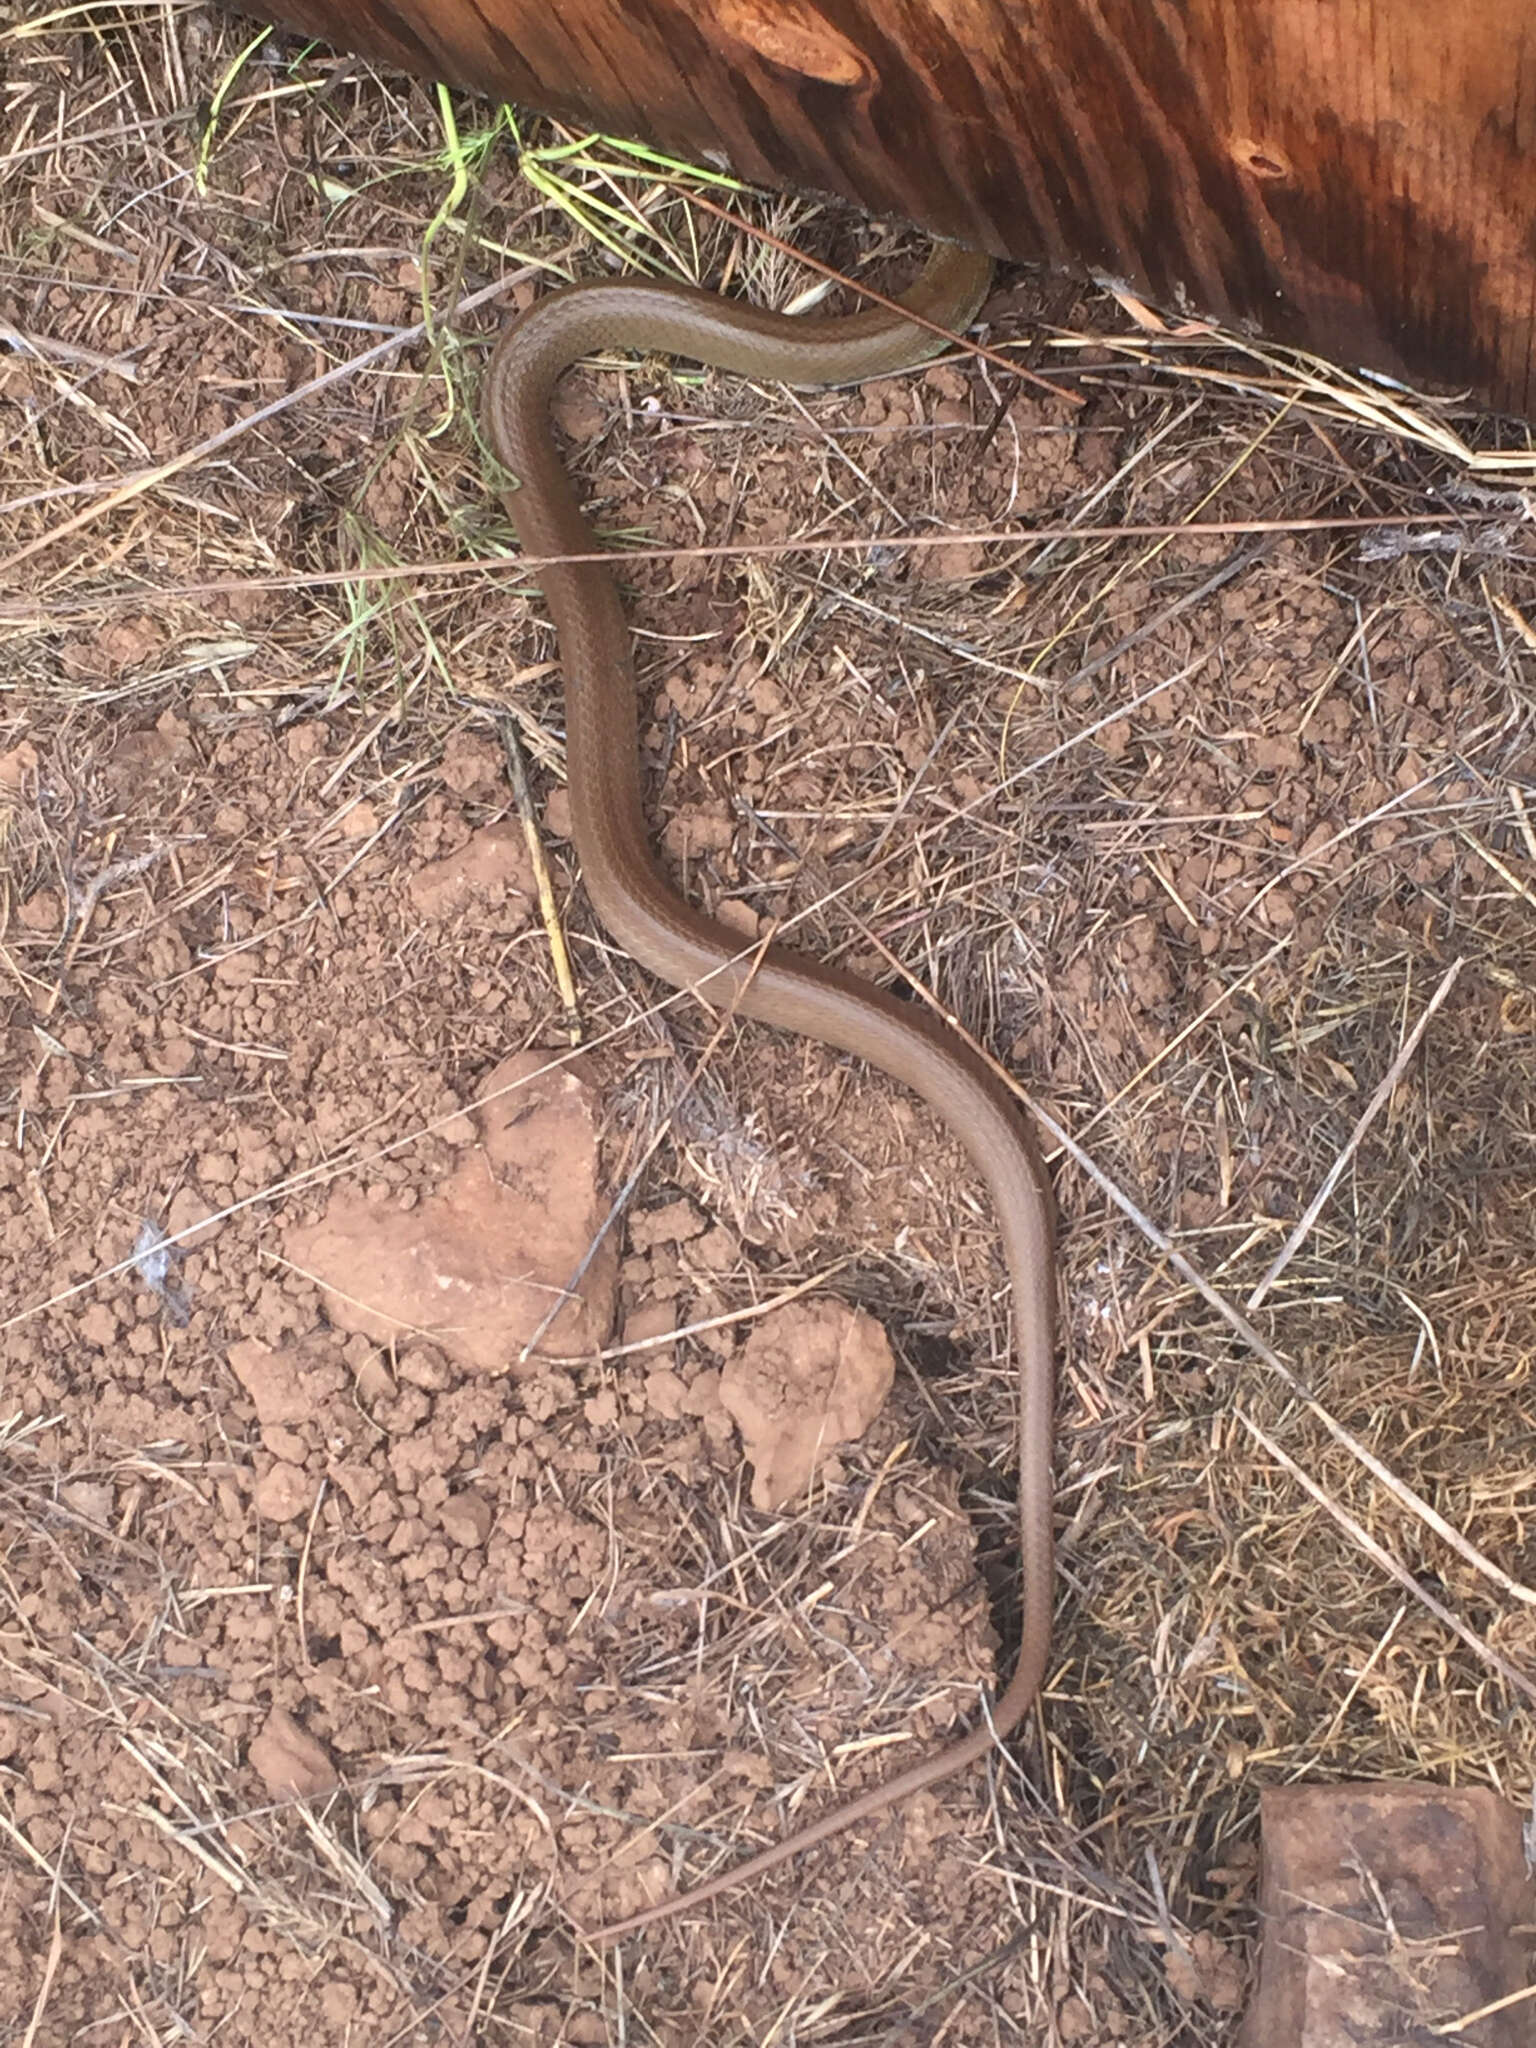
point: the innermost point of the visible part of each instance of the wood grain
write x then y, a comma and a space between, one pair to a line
1356, 176
1387, 1911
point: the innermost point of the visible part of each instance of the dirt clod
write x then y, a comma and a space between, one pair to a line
481, 1265
289, 1761
282, 1492
490, 874
809, 1379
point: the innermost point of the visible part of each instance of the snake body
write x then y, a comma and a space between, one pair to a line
647, 918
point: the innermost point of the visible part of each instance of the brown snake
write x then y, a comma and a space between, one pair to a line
645, 915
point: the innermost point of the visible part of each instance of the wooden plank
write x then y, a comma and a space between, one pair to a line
1356, 176
1392, 1913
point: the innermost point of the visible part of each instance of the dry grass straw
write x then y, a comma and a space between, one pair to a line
1266, 968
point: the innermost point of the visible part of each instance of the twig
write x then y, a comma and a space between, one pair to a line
303, 1574
50, 1970
621, 1200
1240, 559
1389, 1563
54, 1876
702, 551
1372, 1110
1230, 1314
549, 909
865, 291
146, 479
1504, 873
731, 1317
66, 352
1484, 2012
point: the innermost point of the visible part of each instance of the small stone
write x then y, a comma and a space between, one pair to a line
42, 912
467, 1518
649, 1320
174, 1056
578, 411
306, 741
738, 917
360, 821
18, 767
282, 1494
338, 2007
674, 1223
92, 1499
374, 1380
290, 1763
99, 1325
476, 1264
190, 1213
716, 1251
272, 1381
666, 1394
473, 767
